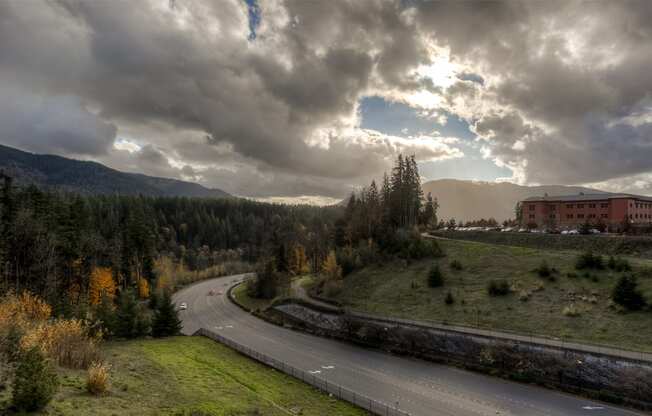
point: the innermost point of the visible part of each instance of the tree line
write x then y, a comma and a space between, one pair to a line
60, 245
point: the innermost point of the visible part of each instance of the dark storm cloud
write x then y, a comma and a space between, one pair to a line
553, 84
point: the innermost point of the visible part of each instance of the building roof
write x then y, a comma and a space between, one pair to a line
587, 197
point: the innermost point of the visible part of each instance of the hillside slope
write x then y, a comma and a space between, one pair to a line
56, 172
470, 200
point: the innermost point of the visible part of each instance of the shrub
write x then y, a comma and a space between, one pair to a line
543, 270
67, 341
499, 287
97, 378
571, 275
449, 300
35, 382
571, 311
456, 265
619, 264
589, 260
166, 319
626, 294
332, 288
435, 277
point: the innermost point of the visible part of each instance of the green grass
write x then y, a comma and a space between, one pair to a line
249, 303
402, 291
182, 375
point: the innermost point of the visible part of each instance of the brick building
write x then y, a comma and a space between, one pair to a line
570, 211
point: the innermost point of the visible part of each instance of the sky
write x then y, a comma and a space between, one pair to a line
307, 100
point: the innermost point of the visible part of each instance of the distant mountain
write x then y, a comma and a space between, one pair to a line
56, 172
471, 200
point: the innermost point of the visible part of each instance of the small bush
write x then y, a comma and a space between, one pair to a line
571, 311
589, 260
332, 288
435, 277
499, 287
571, 275
619, 264
97, 378
543, 270
35, 382
626, 294
449, 300
456, 265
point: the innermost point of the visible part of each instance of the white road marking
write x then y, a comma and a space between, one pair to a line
592, 407
315, 372
229, 326
328, 367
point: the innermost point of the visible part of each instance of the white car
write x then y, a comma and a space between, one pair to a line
183, 306
573, 232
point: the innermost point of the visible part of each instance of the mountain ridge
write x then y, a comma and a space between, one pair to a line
92, 178
471, 200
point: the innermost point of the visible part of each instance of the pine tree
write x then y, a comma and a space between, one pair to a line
35, 382
626, 294
131, 321
166, 320
105, 313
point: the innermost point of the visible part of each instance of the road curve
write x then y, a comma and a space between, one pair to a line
420, 387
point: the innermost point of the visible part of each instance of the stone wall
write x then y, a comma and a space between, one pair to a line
598, 376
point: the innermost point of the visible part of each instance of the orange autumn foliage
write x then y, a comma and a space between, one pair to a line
101, 283
143, 289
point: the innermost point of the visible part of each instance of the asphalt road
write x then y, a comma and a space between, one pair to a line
420, 387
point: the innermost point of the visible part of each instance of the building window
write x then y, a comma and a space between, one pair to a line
580, 215
605, 215
569, 216
580, 205
604, 205
531, 216
553, 207
569, 205
531, 207
591, 205
552, 216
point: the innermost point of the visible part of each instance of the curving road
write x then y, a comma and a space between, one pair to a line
420, 387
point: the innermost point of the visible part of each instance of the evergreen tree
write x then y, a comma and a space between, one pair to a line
435, 276
131, 321
626, 294
166, 319
105, 313
35, 382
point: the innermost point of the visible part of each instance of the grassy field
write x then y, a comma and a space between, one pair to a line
536, 305
189, 376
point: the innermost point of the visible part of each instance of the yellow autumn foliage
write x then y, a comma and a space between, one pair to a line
299, 261
22, 311
330, 267
143, 289
67, 341
101, 283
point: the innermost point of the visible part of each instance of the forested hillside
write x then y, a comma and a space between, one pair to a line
61, 246
90, 178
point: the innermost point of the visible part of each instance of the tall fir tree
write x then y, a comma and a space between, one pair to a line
166, 321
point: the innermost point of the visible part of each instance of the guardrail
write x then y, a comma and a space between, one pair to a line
360, 400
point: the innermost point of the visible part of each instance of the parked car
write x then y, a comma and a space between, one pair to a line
573, 232
183, 306
523, 230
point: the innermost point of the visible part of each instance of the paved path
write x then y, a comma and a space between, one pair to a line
421, 388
